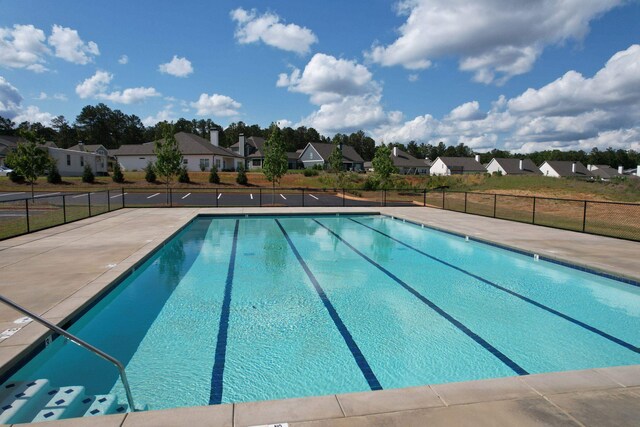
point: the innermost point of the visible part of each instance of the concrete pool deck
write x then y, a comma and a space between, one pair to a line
59, 271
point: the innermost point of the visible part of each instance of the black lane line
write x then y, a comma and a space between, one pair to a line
477, 338
586, 326
217, 376
361, 361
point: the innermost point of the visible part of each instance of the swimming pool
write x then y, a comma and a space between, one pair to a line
250, 308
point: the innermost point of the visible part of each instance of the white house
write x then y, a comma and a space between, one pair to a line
198, 154
73, 162
318, 153
565, 168
457, 166
513, 167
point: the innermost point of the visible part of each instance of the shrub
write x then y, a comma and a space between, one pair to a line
371, 184
150, 173
53, 177
317, 167
117, 174
213, 175
15, 177
183, 176
87, 175
311, 172
242, 175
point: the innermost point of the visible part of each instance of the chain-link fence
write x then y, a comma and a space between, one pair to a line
41, 211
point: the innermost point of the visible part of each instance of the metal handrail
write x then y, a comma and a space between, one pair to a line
77, 341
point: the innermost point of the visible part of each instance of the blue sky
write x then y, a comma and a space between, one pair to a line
519, 74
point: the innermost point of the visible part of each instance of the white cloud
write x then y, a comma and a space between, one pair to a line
60, 97
413, 78
494, 39
94, 85
166, 114
97, 85
130, 96
467, 111
216, 105
33, 114
10, 99
23, 47
284, 123
252, 27
69, 46
124, 59
179, 67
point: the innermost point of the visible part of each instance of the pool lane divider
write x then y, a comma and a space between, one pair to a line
477, 338
533, 302
361, 361
217, 376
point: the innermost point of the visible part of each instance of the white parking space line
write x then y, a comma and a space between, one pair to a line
185, 196
153, 195
8, 215
283, 197
313, 196
11, 194
45, 195
80, 195
219, 195
251, 195
117, 195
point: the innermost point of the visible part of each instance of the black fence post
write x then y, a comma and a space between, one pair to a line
108, 202
584, 217
533, 214
424, 197
123, 205
443, 190
495, 202
26, 205
170, 198
465, 202
303, 197
64, 209
216, 197
343, 199
89, 202
260, 197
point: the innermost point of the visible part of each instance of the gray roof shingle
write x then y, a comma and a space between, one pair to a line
564, 168
462, 164
512, 166
405, 160
189, 144
348, 152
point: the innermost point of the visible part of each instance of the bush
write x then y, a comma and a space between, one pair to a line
117, 174
87, 175
53, 177
150, 173
183, 176
311, 172
213, 175
371, 184
242, 175
317, 167
15, 177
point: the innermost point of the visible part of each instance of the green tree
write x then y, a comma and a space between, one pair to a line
242, 175
87, 175
53, 176
335, 159
150, 173
118, 176
383, 165
183, 176
169, 157
214, 178
275, 158
29, 159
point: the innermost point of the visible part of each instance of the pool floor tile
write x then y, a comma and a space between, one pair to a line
400, 399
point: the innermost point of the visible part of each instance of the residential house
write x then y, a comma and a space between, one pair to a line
406, 164
513, 167
198, 154
565, 169
254, 152
7, 144
91, 148
605, 172
318, 153
456, 166
633, 171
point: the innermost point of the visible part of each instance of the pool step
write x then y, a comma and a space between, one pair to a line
35, 401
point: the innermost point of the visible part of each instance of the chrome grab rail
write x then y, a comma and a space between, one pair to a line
79, 342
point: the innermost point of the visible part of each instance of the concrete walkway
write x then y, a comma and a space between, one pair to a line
58, 271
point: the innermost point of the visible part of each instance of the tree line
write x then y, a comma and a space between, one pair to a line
100, 124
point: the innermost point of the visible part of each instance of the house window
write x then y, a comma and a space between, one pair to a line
218, 163
310, 155
256, 162
68, 159
204, 163
185, 161
81, 161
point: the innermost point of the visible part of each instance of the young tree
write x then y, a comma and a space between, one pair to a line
117, 173
53, 176
383, 165
87, 175
335, 159
29, 159
150, 173
242, 175
275, 158
169, 163
214, 178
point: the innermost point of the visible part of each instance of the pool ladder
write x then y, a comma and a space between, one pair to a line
79, 342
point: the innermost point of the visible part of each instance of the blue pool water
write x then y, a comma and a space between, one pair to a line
250, 308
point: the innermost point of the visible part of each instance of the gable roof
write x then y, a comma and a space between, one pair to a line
324, 150
403, 159
466, 164
605, 171
563, 168
257, 142
189, 144
91, 148
512, 166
